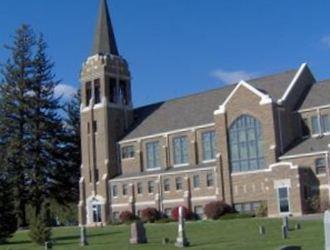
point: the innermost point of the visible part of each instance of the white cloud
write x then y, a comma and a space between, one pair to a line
64, 90
230, 77
326, 41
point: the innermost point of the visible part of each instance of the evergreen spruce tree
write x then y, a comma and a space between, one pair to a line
45, 128
17, 73
40, 232
8, 222
73, 146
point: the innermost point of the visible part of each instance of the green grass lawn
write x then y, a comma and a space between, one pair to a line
237, 234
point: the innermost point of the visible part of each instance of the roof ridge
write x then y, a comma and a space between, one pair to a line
214, 89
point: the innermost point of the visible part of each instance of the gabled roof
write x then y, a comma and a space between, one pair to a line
104, 41
195, 110
318, 95
309, 145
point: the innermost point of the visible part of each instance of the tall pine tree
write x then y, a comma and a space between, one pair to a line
18, 74
45, 128
8, 220
73, 146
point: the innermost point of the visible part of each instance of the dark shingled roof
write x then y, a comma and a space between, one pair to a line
197, 109
309, 145
318, 95
104, 41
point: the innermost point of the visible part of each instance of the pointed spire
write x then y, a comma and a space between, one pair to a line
104, 41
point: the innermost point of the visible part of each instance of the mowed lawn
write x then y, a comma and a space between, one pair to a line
237, 234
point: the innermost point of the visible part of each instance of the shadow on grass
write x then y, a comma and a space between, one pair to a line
89, 236
17, 242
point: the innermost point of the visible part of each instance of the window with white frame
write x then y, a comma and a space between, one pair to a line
114, 191
179, 183
283, 199
209, 180
153, 155
180, 150
245, 144
325, 123
167, 186
209, 145
139, 188
320, 166
315, 125
196, 181
151, 187
127, 152
125, 189
199, 211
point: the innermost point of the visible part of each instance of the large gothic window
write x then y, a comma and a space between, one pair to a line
245, 139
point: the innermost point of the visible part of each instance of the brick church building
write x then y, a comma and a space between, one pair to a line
264, 140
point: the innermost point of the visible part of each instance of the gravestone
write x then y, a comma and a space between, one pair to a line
48, 245
327, 229
289, 248
286, 222
181, 240
165, 241
138, 233
83, 237
262, 230
284, 232
298, 226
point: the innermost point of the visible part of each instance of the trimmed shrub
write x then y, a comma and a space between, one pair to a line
126, 217
262, 210
150, 214
215, 209
175, 213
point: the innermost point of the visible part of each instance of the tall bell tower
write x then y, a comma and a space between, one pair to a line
106, 112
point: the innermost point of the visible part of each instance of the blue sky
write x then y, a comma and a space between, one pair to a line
178, 47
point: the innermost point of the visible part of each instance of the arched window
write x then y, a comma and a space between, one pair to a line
245, 139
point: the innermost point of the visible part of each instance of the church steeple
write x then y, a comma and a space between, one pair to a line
104, 41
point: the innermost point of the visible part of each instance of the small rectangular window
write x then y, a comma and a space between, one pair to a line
325, 123
151, 187
168, 212
139, 188
88, 93
199, 211
315, 125
209, 145
153, 155
127, 152
88, 128
167, 186
125, 189
209, 180
196, 181
178, 183
114, 191
320, 166
97, 91
180, 150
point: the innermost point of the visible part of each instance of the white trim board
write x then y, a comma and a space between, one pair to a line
293, 82
302, 155
162, 174
167, 133
265, 99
